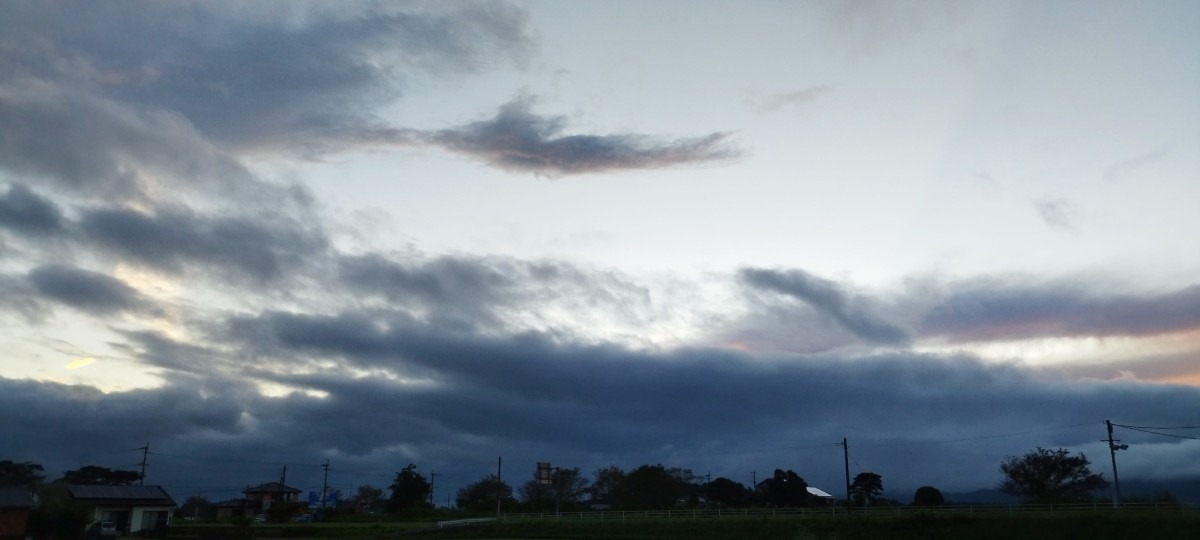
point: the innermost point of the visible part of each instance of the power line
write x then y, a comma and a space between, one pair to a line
1157, 433
230, 460
1157, 427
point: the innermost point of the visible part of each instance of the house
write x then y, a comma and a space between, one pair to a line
15, 505
816, 496
231, 508
131, 508
262, 496
820, 495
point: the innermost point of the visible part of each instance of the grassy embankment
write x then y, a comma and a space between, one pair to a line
1103, 526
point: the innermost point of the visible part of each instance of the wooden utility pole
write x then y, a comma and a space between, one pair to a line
145, 452
325, 484
846, 459
499, 484
432, 482
1112, 453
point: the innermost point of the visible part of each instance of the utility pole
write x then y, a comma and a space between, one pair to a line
432, 482
282, 482
557, 489
846, 459
753, 480
499, 484
1112, 453
145, 451
325, 484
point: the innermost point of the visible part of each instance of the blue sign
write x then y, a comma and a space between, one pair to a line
331, 499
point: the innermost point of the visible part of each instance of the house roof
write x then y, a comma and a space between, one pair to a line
814, 491
231, 503
16, 497
271, 487
127, 495
818, 492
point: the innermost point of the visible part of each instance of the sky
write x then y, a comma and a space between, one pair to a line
714, 235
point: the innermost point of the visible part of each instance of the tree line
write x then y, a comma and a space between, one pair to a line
1040, 476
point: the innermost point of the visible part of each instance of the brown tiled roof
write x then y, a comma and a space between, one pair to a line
132, 495
16, 497
271, 487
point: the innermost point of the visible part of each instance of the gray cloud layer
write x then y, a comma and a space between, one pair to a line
270, 75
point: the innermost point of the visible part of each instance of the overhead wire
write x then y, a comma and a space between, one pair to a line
1162, 434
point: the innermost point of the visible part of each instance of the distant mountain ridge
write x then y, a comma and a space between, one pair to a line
1185, 490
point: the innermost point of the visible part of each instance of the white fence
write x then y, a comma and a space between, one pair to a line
742, 513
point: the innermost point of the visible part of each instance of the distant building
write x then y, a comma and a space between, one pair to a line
261, 497
15, 505
819, 494
231, 508
131, 508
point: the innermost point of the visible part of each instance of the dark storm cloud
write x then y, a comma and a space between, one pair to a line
518, 140
439, 398
699, 390
999, 309
267, 75
23, 210
829, 299
262, 247
85, 419
87, 291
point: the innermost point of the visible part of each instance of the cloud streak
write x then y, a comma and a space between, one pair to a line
24, 211
262, 248
852, 314
518, 140
996, 309
84, 290
1056, 213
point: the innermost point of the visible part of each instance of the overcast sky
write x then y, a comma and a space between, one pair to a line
714, 235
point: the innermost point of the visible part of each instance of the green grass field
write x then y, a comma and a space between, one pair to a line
1104, 526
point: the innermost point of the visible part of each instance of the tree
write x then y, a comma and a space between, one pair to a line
566, 488
196, 507
653, 487
725, 492
91, 475
605, 484
409, 490
866, 487
481, 496
23, 474
367, 498
928, 496
1050, 476
785, 489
